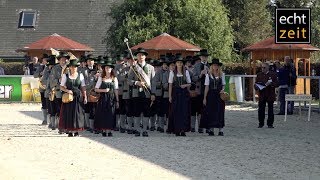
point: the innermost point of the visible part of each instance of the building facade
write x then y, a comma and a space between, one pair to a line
26, 21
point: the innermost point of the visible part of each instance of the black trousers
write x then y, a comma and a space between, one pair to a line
43, 101
154, 109
195, 105
261, 112
55, 107
163, 107
122, 106
90, 108
141, 105
129, 107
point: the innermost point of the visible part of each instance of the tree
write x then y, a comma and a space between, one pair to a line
314, 5
251, 21
204, 23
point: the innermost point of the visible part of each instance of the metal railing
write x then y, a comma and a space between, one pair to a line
243, 80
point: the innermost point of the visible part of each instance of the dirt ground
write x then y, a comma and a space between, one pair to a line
29, 150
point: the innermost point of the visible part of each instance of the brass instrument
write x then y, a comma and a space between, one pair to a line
52, 94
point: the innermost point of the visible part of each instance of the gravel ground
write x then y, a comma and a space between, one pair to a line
29, 150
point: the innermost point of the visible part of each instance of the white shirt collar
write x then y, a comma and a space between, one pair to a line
142, 64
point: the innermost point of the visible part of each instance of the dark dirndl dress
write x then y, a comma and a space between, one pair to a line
179, 109
213, 112
105, 116
72, 113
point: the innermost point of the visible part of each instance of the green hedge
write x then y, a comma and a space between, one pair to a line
237, 68
12, 68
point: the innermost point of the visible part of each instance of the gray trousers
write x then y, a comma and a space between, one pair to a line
291, 103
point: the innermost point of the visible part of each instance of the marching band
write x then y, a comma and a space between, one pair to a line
132, 94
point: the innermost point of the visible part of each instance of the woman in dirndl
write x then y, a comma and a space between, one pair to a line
107, 86
214, 106
179, 82
72, 113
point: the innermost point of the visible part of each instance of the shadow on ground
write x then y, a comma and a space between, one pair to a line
245, 152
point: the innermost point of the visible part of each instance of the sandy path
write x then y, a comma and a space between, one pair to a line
31, 151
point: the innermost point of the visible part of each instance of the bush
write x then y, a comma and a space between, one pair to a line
12, 68
237, 68
314, 89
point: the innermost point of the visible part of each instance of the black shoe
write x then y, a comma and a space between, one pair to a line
183, 134
158, 128
270, 127
211, 133
220, 134
145, 134
76, 134
96, 132
104, 134
280, 113
207, 130
177, 134
290, 113
110, 134
88, 129
122, 130
161, 130
260, 126
200, 130
129, 131
70, 135
137, 134
152, 128
193, 130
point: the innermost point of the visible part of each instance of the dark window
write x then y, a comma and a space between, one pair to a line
27, 19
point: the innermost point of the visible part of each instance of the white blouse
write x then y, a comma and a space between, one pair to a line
115, 81
64, 80
207, 81
171, 76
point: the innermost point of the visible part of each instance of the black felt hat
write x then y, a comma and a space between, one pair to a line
215, 61
74, 62
156, 63
99, 59
63, 54
120, 57
189, 58
179, 57
107, 61
141, 50
45, 56
90, 57
204, 52
83, 58
51, 60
